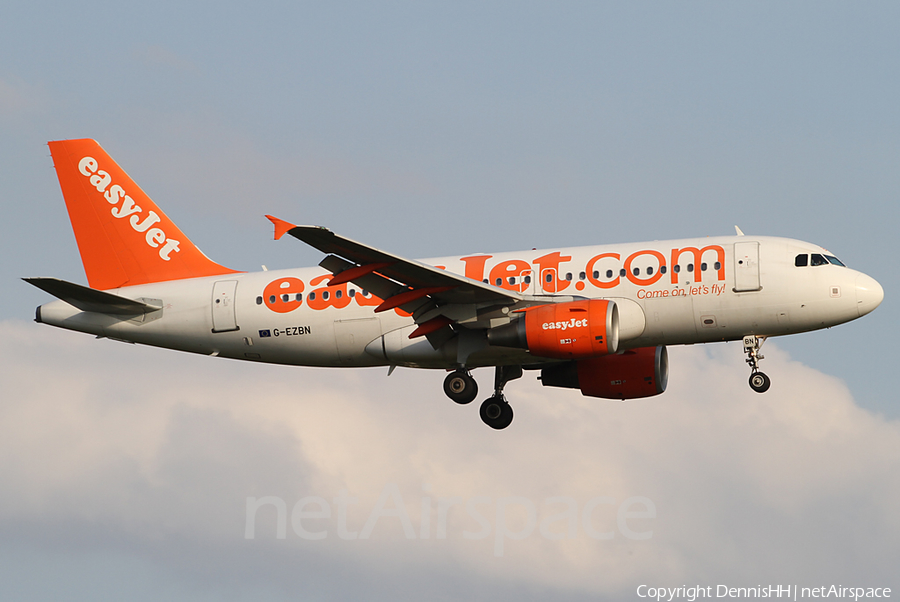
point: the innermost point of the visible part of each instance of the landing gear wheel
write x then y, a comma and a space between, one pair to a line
496, 413
461, 387
759, 382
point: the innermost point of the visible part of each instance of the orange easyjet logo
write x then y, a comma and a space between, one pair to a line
606, 270
125, 207
287, 294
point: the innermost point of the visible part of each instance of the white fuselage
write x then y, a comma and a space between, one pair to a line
668, 293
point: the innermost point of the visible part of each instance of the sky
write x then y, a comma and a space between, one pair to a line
432, 129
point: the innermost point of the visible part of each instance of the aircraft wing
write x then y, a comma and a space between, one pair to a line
412, 286
410, 273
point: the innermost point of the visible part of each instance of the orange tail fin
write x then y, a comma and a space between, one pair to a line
123, 237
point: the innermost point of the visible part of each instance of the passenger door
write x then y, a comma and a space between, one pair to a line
746, 267
223, 316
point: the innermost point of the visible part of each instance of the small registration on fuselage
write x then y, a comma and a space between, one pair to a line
289, 331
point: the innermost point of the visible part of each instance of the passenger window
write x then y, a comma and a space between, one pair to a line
569, 276
677, 268
312, 297
325, 295
609, 274
527, 279
662, 269
703, 267
549, 277
690, 267
649, 271
717, 266
818, 260
259, 300
352, 292
802, 260
498, 281
338, 294
637, 271
623, 273
285, 297
272, 299
582, 276
298, 297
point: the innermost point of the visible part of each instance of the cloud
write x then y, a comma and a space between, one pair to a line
151, 455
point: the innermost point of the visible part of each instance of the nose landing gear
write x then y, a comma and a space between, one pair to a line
759, 382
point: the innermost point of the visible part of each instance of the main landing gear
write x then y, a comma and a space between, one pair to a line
759, 382
461, 387
495, 410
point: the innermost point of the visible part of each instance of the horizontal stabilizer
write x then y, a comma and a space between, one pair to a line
89, 299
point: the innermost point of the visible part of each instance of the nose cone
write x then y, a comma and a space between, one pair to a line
869, 294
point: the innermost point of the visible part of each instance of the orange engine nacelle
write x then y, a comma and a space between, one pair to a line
573, 330
632, 374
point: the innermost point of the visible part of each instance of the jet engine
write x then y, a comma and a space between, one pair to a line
631, 374
573, 330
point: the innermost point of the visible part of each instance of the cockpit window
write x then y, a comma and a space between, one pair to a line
802, 260
818, 260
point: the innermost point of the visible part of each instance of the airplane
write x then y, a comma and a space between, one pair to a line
597, 319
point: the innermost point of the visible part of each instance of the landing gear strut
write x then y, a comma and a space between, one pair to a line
495, 410
759, 382
461, 387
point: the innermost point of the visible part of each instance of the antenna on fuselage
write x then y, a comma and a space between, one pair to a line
738, 231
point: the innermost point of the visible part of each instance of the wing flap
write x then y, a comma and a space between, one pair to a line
370, 281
